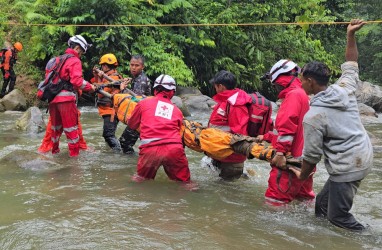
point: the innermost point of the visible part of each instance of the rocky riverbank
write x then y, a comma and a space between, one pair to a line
190, 100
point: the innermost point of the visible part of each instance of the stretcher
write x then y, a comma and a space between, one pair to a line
212, 141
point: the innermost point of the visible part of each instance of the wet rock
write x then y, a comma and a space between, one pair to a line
32, 121
179, 103
15, 100
370, 95
369, 120
30, 160
366, 110
187, 91
198, 103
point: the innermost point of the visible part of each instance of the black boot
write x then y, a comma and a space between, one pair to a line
128, 138
12, 84
113, 144
109, 128
4, 88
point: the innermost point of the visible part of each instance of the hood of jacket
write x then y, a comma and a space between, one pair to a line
235, 97
334, 97
72, 51
164, 94
289, 83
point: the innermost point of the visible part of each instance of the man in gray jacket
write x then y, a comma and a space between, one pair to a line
333, 128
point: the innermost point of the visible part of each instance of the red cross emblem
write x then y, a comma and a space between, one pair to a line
164, 108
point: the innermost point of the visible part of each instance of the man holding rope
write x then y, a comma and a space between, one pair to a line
333, 128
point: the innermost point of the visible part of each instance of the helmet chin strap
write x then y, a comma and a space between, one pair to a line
279, 88
294, 77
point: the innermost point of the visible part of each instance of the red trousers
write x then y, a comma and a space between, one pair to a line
170, 156
64, 118
47, 144
283, 186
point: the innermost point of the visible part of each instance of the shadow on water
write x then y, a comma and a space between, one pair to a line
56, 202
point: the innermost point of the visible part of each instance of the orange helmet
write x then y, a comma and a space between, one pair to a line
18, 46
108, 59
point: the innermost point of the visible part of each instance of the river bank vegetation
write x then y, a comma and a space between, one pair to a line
193, 53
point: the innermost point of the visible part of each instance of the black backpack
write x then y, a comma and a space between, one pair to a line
52, 84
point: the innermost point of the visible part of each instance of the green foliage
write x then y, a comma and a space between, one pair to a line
193, 54
370, 40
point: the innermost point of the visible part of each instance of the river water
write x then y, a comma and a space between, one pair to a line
55, 202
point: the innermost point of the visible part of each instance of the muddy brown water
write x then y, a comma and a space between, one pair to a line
54, 202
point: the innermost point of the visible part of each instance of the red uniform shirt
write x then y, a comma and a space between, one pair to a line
288, 137
288, 134
231, 114
159, 121
72, 71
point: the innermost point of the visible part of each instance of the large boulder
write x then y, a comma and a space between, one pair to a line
2, 108
15, 101
368, 114
198, 103
179, 103
33, 161
370, 95
187, 91
366, 110
32, 121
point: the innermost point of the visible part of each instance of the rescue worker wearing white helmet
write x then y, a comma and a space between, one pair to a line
108, 64
160, 121
63, 109
287, 136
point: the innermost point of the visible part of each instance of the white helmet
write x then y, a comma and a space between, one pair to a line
166, 81
281, 67
80, 40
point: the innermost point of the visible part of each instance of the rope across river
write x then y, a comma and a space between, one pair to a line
185, 24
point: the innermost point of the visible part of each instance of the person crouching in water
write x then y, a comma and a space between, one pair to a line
160, 121
230, 114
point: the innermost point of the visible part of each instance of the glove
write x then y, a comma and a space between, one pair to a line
7, 75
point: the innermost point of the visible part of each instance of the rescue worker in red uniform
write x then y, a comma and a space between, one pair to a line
160, 121
8, 60
287, 136
230, 114
47, 143
108, 64
62, 109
